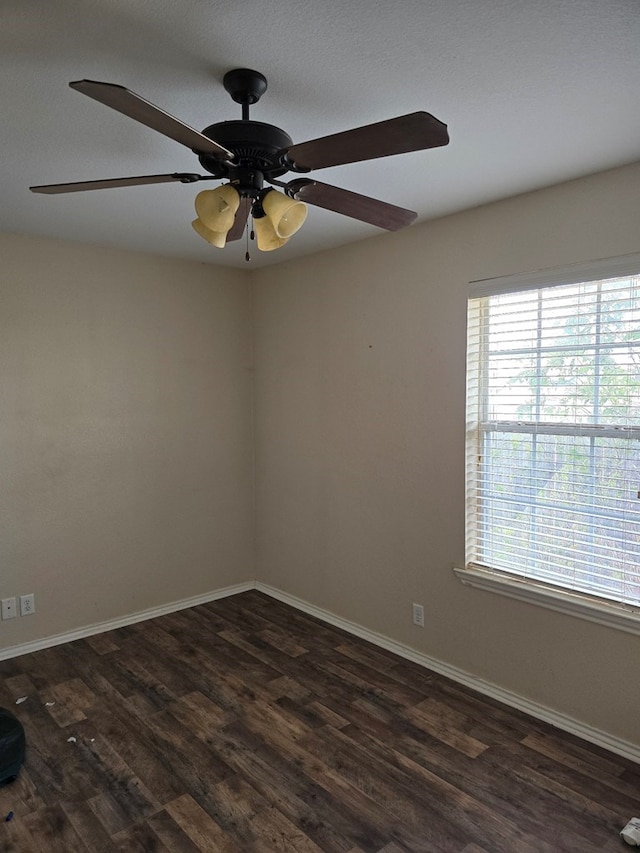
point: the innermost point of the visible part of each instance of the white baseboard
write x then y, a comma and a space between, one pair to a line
122, 622
561, 721
541, 712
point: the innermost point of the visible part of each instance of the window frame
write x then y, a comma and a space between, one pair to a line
585, 605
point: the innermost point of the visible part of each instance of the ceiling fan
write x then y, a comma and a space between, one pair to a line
247, 154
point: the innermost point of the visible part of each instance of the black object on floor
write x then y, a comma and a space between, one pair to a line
12, 746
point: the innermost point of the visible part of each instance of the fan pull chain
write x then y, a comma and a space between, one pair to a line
251, 235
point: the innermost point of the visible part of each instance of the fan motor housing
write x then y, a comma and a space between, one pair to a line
255, 146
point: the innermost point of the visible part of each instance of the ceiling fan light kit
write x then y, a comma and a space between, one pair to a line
248, 153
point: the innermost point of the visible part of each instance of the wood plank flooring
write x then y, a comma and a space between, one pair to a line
245, 725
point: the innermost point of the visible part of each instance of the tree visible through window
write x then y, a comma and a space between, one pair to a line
553, 437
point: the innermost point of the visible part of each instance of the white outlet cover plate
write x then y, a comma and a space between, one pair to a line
27, 604
9, 608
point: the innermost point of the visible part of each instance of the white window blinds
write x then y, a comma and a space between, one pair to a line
553, 429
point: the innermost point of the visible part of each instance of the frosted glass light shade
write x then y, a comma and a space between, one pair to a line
217, 208
266, 236
216, 238
286, 214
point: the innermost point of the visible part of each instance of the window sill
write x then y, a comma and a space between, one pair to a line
620, 616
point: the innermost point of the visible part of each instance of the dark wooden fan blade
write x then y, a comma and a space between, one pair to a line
124, 101
361, 207
109, 183
413, 132
242, 214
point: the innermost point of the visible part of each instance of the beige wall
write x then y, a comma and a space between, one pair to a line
359, 396
126, 432
127, 437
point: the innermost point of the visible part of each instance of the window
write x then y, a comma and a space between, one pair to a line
553, 430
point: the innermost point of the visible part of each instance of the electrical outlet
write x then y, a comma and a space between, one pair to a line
9, 608
27, 604
418, 615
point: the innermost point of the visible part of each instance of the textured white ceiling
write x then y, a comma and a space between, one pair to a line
534, 92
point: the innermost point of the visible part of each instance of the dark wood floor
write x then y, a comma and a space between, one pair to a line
245, 725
